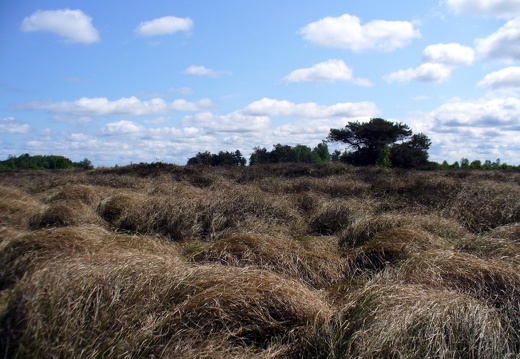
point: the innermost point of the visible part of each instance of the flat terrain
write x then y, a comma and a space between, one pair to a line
286, 261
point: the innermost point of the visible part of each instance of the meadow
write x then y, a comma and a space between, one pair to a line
274, 261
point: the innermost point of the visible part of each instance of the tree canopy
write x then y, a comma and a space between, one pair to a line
39, 162
288, 154
381, 141
223, 158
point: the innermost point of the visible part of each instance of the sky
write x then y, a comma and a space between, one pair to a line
122, 82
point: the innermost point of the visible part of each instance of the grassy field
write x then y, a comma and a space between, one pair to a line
289, 261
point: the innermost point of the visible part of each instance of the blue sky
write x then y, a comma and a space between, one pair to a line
140, 81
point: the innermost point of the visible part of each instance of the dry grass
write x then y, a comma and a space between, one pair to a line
140, 306
17, 208
313, 260
409, 321
495, 281
391, 247
485, 205
281, 261
365, 228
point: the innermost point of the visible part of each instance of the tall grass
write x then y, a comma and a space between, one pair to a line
276, 261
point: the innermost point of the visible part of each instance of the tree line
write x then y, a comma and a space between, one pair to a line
42, 162
376, 142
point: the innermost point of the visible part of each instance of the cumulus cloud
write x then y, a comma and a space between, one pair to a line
439, 60
273, 107
235, 122
347, 32
121, 128
508, 78
11, 125
495, 112
101, 106
503, 44
204, 71
328, 71
501, 8
449, 54
72, 25
427, 72
164, 25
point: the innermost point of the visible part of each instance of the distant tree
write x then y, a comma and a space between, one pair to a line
464, 163
288, 154
321, 152
303, 154
366, 142
412, 153
260, 155
84, 164
39, 162
475, 165
223, 158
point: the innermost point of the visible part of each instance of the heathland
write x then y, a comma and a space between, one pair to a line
267, 261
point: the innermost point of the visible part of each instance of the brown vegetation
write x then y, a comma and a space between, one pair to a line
294, 261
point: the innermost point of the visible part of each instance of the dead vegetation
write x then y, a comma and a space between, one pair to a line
291, 261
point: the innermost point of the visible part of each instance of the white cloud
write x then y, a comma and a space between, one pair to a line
10, 125
73, 25
427, 72
502, 8
328, 71
273, 107
101, 106
121, 128
486, 128
347, 32
495, 112
203, 71
503, 44
508, 78
449, 54
235, 122
439, 60
164, 25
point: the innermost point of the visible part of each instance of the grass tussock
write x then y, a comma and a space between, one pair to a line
483, 206
65, 213
495, 281
159, 305
17, 208
210, 215
23, 253
365, 228
276, 261
410, 321
390, 247
312, 260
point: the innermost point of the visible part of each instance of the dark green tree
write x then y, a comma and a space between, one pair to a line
366, 141
412, 153
223, 158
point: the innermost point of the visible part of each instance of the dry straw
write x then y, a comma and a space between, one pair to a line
313, 260
141, 306
409, 321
